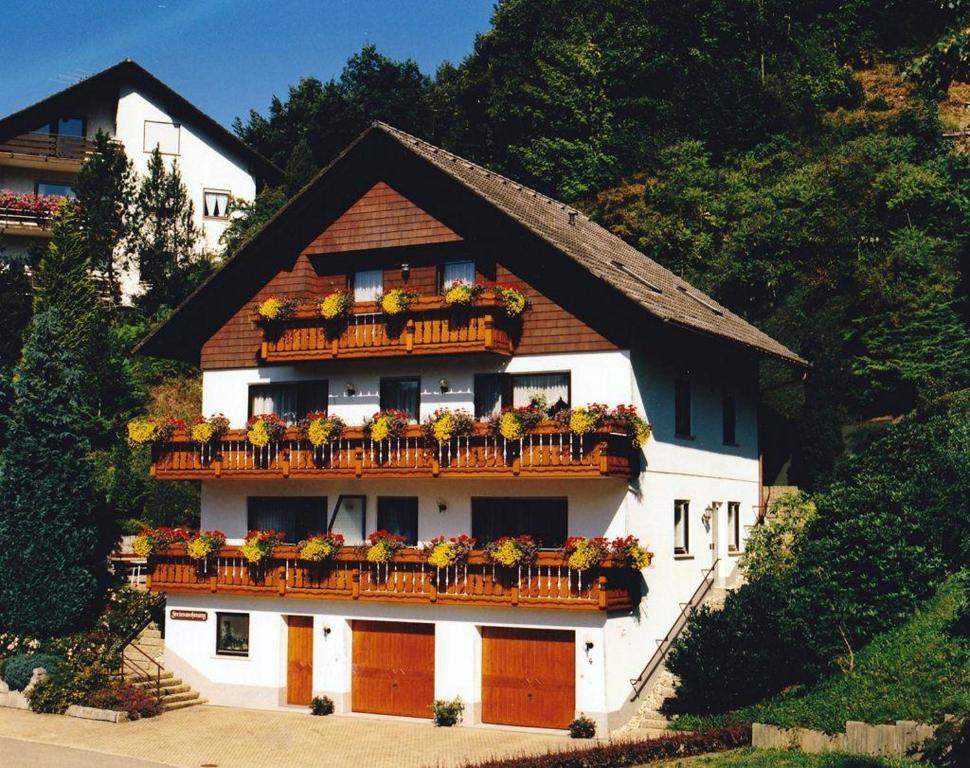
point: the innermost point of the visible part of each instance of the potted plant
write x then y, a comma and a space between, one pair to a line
151, 540
321, 546
265, 428
627, 551
382, 546
515, 423
462, 294
336, 305
385, 425
209, 430
259, 545
627, 418
275, 309
321, 429
204, 545
582, 553
441, 552
397, 301
148, 431
445, 424
513, 300
511, 551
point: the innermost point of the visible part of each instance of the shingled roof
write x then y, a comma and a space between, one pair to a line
603, 254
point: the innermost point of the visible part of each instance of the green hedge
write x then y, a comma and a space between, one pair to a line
18, 669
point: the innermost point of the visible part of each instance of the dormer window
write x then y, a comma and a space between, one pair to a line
457, 272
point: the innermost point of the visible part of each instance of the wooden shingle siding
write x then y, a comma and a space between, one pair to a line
382, 218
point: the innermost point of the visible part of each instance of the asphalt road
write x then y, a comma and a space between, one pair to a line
31, 754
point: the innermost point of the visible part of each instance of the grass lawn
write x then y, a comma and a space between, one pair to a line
777, 758
914, 672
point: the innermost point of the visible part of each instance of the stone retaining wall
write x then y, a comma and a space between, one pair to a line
858, 739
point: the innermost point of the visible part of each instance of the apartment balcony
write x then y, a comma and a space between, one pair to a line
46, 151
430, 327
26, 214
546, 583
548, 452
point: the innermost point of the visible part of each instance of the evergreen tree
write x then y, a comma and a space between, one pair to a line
52, 547
300, 168
164, 239
105, 188
249, 217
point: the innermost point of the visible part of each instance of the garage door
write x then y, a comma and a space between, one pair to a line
528, 676
393, 668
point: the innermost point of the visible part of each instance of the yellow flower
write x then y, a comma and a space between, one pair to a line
396, 301
203, 432
321, 431
380, 429
335, 304
510, 426
316, 550
514, 302
270, 309
581, 421
259, 435
252, 552
639, 557
142, 431
142, 546
507, 553
459, 293
444, 427
641, 433
199, 548
442, 555
379, 552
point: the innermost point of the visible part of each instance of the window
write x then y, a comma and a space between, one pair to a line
215, 204
488, 394
296, 516
65, 126
399, 514
734, 526
348, 518
553, 387
681, 527
292, 400
728, 419
545, 520
61, 188
455, 271
232, 634
402, 394
682, 408
368, 285
165, 136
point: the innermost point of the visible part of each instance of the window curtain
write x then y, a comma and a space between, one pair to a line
216, 203
401, 395
453, 271
553, 386
368, 285
399, 514
488, 395
296, 516
543, 519
275, 398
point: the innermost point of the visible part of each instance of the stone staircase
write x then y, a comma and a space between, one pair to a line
649, 721
175, 694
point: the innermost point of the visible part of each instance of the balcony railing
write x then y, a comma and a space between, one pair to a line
429, 328
546, 583
48, 145
548, 452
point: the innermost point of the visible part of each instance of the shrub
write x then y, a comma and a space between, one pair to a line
629, 753
582, 728
321, 705
772, 547
950, 745
136, 701
68, 685
448, 712
19, 669
851, 761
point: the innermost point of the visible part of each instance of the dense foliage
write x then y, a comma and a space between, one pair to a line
890, 528
18, 669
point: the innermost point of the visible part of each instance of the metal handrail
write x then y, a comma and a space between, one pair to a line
640, 681
141, 671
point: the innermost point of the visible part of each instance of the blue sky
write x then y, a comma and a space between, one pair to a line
225, 56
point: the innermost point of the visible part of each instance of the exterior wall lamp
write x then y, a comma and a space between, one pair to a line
405, 271
350, 389
444, 386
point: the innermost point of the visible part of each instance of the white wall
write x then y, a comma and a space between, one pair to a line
204, 163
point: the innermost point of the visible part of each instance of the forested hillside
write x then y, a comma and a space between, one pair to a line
787, 157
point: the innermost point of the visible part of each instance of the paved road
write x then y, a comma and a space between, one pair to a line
15, 753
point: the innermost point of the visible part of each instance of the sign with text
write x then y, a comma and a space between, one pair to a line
178, 615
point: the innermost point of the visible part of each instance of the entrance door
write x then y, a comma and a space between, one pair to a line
393, 668
299, 659
528, 676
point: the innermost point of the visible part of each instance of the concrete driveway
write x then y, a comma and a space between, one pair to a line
220, 737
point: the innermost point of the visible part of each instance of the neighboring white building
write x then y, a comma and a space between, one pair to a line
534, 645
43, 146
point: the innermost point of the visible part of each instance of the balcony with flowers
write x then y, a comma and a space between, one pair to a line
584, 442
23, 213
467, 318
586, 574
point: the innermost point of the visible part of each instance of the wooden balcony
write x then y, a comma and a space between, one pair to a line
47, 151
546, 453
430, 327
15, 221
547, 583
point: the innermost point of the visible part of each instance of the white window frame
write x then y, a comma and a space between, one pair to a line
148, 149
734, 526
206, 191
681, 527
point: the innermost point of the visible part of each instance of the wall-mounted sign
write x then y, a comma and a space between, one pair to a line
178, 615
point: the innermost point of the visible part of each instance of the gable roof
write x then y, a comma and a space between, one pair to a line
649, 286
129, 71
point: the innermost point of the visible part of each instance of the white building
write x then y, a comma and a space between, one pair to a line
43, 146
534, 645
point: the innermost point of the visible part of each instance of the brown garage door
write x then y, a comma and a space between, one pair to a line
528, 676
393, 668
